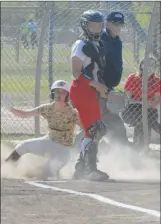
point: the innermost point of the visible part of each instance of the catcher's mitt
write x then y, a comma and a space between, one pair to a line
117, 101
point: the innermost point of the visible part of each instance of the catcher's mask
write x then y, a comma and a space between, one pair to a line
92, 24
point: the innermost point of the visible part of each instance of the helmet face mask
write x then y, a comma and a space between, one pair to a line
92, 24
95, 30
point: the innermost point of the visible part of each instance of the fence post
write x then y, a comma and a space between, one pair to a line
148, 50
44, 26
51, 32
18, 45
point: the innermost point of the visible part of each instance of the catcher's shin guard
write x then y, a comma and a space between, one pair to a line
86, 166
90, 158
79, 168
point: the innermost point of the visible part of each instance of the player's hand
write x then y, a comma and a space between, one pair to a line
102, 89
6, 101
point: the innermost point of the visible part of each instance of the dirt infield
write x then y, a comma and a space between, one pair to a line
25, 203
134, 199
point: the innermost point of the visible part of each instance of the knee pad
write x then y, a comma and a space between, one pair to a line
97, 130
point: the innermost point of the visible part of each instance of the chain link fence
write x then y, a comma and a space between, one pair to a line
151, 117
19, 64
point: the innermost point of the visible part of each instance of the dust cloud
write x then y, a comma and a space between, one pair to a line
120, 163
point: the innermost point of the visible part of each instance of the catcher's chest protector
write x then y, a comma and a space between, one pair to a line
97, 55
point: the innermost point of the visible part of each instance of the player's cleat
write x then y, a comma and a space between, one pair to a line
14, 157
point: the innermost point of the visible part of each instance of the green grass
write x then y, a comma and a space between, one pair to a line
6, 137
19, 77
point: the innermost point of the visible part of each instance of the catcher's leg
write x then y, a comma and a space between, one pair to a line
86, 166
84, 98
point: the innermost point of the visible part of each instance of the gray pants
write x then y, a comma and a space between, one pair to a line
59, 154
116, 131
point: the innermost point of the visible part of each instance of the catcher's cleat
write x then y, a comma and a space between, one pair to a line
96, 175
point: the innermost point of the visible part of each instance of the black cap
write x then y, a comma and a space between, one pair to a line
114, 17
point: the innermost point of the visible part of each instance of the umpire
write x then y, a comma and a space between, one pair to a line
112, 75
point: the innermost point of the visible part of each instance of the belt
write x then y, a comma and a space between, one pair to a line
55, 129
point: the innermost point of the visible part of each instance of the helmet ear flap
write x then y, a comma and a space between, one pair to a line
84, 24
67, 98
52, 94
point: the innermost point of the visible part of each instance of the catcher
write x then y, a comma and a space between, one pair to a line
62, 119
86, 89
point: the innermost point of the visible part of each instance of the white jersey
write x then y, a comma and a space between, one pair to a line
77, 51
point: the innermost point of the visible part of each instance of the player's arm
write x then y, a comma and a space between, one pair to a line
40, 110
77, 118
24, 113
77, 57
77, 65
156, 101
157, 97
128, 89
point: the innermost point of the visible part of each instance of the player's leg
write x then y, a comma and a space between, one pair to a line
153, 120
60, 156
78, 139
37, 146
116, 129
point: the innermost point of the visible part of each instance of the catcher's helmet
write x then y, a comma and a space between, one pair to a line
93, 17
